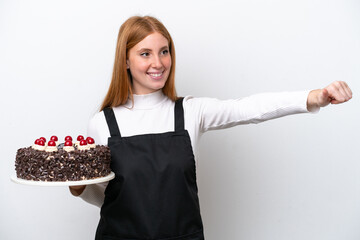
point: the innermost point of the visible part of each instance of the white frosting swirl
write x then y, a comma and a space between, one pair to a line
51, 149
69, 148
92, 145
84, 147
38, 147
77, 144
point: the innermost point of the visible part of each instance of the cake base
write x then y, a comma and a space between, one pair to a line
62, 166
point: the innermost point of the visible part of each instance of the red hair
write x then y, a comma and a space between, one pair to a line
131, 32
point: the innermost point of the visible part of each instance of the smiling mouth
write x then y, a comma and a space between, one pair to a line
155, 74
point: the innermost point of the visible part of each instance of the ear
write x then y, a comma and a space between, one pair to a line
127, 64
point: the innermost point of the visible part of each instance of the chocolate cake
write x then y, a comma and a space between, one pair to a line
63, 162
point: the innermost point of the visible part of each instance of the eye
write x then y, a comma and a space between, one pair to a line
164, 52
145, 54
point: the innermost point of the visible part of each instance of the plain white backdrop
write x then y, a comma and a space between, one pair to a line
295, 178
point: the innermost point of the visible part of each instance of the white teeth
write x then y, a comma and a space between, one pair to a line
155, 74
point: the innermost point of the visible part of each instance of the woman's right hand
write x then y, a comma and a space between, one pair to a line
336, 93
77, 190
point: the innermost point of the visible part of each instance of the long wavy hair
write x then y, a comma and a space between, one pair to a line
131, 32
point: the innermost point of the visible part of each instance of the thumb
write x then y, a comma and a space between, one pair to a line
324, 98
324, 93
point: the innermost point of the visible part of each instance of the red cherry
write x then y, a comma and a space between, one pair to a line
68, 144
41, 142
83, 143
51, 143
37, 141
68, 138
42, 138
80, 137
90, 140
54, 138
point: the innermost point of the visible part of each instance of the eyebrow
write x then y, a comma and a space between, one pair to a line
149, 50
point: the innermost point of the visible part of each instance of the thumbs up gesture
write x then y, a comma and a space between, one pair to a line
336, 93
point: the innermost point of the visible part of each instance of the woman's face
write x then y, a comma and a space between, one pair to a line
149, 62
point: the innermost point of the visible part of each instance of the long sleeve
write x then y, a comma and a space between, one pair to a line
94, 194
212, 114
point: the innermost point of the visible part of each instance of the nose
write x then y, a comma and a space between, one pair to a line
156, 63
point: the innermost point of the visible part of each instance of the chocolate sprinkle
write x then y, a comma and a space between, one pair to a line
31, 164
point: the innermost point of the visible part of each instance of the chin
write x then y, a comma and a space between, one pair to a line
158, 87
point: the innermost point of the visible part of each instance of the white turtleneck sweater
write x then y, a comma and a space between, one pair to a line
154, 113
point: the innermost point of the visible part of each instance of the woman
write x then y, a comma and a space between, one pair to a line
152, 134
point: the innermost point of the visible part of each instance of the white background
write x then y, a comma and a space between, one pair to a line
292, 178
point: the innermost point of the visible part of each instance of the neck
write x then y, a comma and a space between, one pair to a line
146, 101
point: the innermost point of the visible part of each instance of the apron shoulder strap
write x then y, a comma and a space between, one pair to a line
179, 115
111, 122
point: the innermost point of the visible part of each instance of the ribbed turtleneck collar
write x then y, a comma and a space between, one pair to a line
146, 101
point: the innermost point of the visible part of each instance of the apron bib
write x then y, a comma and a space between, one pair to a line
154, 194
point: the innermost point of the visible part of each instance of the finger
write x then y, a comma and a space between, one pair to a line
342, 94
334, 101
343, 90
337, 93
347, 90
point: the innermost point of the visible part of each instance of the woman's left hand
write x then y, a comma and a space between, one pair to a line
336, 93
